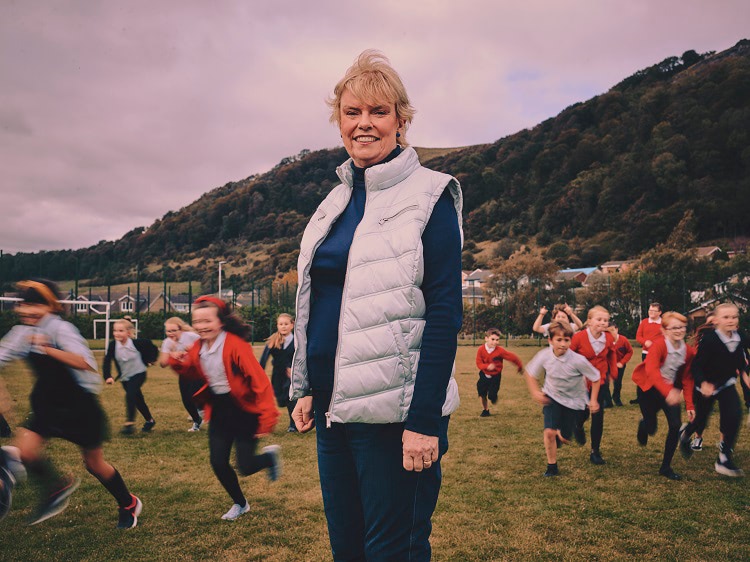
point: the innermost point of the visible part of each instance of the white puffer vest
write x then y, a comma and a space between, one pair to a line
382, 309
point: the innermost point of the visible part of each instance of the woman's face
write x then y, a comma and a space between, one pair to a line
368, 131
173, 331
284, 325
206, 322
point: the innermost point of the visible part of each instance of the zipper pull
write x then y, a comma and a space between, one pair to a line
328, 420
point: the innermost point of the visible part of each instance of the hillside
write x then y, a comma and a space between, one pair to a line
605, 179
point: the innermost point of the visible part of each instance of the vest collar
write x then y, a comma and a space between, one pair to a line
383, 176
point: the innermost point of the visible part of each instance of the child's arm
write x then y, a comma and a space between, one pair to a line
537, 327
264, 356
576, 320
107, 364
513, 358
260, 385
628, 352
14, 345
69, 348
483, 360
536, 394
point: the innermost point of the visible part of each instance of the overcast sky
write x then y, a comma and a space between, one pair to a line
113, 113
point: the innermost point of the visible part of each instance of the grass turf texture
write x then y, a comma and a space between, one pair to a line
494, 505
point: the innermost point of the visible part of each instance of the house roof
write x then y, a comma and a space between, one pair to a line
586, 270
480, 275
705, 251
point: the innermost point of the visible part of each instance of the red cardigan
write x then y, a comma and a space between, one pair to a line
648, 374
605, 361
498, 354
624, 350
248, 382
647, 331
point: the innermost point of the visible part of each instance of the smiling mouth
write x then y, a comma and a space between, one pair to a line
366, 139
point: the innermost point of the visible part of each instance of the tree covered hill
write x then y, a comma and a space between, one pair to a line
605, 179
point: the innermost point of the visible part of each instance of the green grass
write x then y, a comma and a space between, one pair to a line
494, 504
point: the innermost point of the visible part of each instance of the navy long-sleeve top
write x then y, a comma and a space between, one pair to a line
441, 287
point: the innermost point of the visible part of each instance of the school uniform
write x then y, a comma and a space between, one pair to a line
648, 330
188, 387
601, 353
624, 353
64, 400
238, 400
719, 360
666, 367
130, 359
488, 384
281, 360
565, 382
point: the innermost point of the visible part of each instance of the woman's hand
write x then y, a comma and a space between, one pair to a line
303, 414
420, 451
110, 380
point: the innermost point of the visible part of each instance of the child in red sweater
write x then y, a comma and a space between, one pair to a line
490, 363
597, 345
624, 354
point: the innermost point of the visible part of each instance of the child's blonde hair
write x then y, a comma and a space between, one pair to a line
180, 323
126, 322
594, 310
276, 340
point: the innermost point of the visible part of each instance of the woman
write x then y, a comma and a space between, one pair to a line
181, 337
379, 291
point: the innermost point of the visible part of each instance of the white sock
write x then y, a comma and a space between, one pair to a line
723, 457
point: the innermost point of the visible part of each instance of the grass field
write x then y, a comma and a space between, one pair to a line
494, 504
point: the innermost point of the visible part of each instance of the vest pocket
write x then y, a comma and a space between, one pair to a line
384, 220
403, 350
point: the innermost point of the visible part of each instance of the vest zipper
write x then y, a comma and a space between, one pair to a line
382, 221
341, 317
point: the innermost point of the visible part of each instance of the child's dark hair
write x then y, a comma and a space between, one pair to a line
230, 322
655, 305
493, 332
701, 330
558, 328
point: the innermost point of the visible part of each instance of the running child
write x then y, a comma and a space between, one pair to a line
238, 397
696, 444
181, 337
130, 357
661, 379
720, 359
564, 394
280, 347
624, 354
597, 345
64, 404
490, 358
560, 313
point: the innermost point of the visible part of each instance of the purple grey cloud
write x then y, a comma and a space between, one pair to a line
113, 113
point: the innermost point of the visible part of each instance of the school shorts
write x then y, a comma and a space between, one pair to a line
557, 416
488, 387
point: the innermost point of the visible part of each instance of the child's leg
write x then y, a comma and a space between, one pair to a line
730, 414
650, 403
129, 402
672, 414
482, 390
94, 461
139, 401
31, 448
617, 386
597, 427
220, 447
4, 427
187, 389
247, 461
703, 407
493, 388
550, 445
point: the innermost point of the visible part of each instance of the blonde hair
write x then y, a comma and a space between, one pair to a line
126, 321
594, 310
276, 339
373, 80
180, 323
725, 305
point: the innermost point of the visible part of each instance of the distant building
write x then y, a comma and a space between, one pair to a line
617, 266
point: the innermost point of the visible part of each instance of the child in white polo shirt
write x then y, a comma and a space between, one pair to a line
564, 394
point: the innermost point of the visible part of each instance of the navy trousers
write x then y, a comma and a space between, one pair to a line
376, 510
